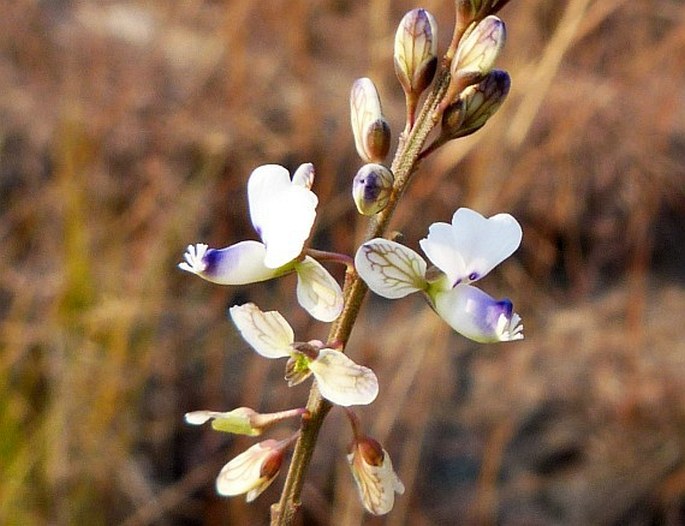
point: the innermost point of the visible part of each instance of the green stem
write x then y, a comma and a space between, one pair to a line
403, 167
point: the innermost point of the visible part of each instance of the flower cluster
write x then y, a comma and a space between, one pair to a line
463, 252
283, 210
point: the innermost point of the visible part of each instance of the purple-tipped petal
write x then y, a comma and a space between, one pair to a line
235, 265
478, 316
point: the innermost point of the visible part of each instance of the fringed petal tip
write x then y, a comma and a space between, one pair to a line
510, 329
194, 258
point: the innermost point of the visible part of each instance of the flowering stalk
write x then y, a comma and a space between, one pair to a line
465, 94
403, 166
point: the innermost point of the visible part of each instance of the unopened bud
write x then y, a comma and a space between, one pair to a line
370, 129
476, 104
477, 53
371, 188
416, 46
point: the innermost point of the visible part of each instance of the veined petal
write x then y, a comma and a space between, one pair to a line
478, 316
317, 291
376, 479
268, 333
342, 381
235, 265
282, 212
252, 471
472, 245
390, 269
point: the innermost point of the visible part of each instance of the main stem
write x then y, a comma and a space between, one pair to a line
403, 167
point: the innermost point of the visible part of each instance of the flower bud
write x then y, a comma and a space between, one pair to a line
241, 421
416, 46
477, 52
370, 129
371, 188
252, 471
376, 479
476, 104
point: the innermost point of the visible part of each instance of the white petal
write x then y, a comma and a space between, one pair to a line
282, 213
243, 473
197, 418
268, 333
235, 265
304, 175
317, 291
377, 485
472, 245
389, 269
476, 315
342, 381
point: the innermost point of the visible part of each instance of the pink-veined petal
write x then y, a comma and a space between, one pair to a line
390, 269
342, 381
268, 333
317, 291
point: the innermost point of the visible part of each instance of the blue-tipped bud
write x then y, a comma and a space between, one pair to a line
371, 188
475, 105
415, 56
370, 129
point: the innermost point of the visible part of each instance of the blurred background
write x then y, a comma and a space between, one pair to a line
128, 130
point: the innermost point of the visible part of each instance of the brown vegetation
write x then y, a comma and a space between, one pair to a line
128, 130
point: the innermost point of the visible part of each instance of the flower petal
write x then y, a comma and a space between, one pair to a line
237, 421
376, 485
282, 212
235, 265
304, 175
317, 291
390, 269
476, 315
472, 245
244, 474
342, 381
268, 333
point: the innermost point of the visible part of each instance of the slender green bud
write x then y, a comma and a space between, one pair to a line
370, 129
478, 51
416, 48
475, 105
371, 188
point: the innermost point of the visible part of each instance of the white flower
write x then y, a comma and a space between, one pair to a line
340, 379
253, 470
282, 212
464, 251
376, 479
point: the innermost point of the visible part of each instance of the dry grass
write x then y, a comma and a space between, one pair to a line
128, 129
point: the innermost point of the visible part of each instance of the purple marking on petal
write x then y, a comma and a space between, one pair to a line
473, 276
457, 282
494, 311
211, 259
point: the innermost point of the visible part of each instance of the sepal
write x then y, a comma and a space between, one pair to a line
390, 269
